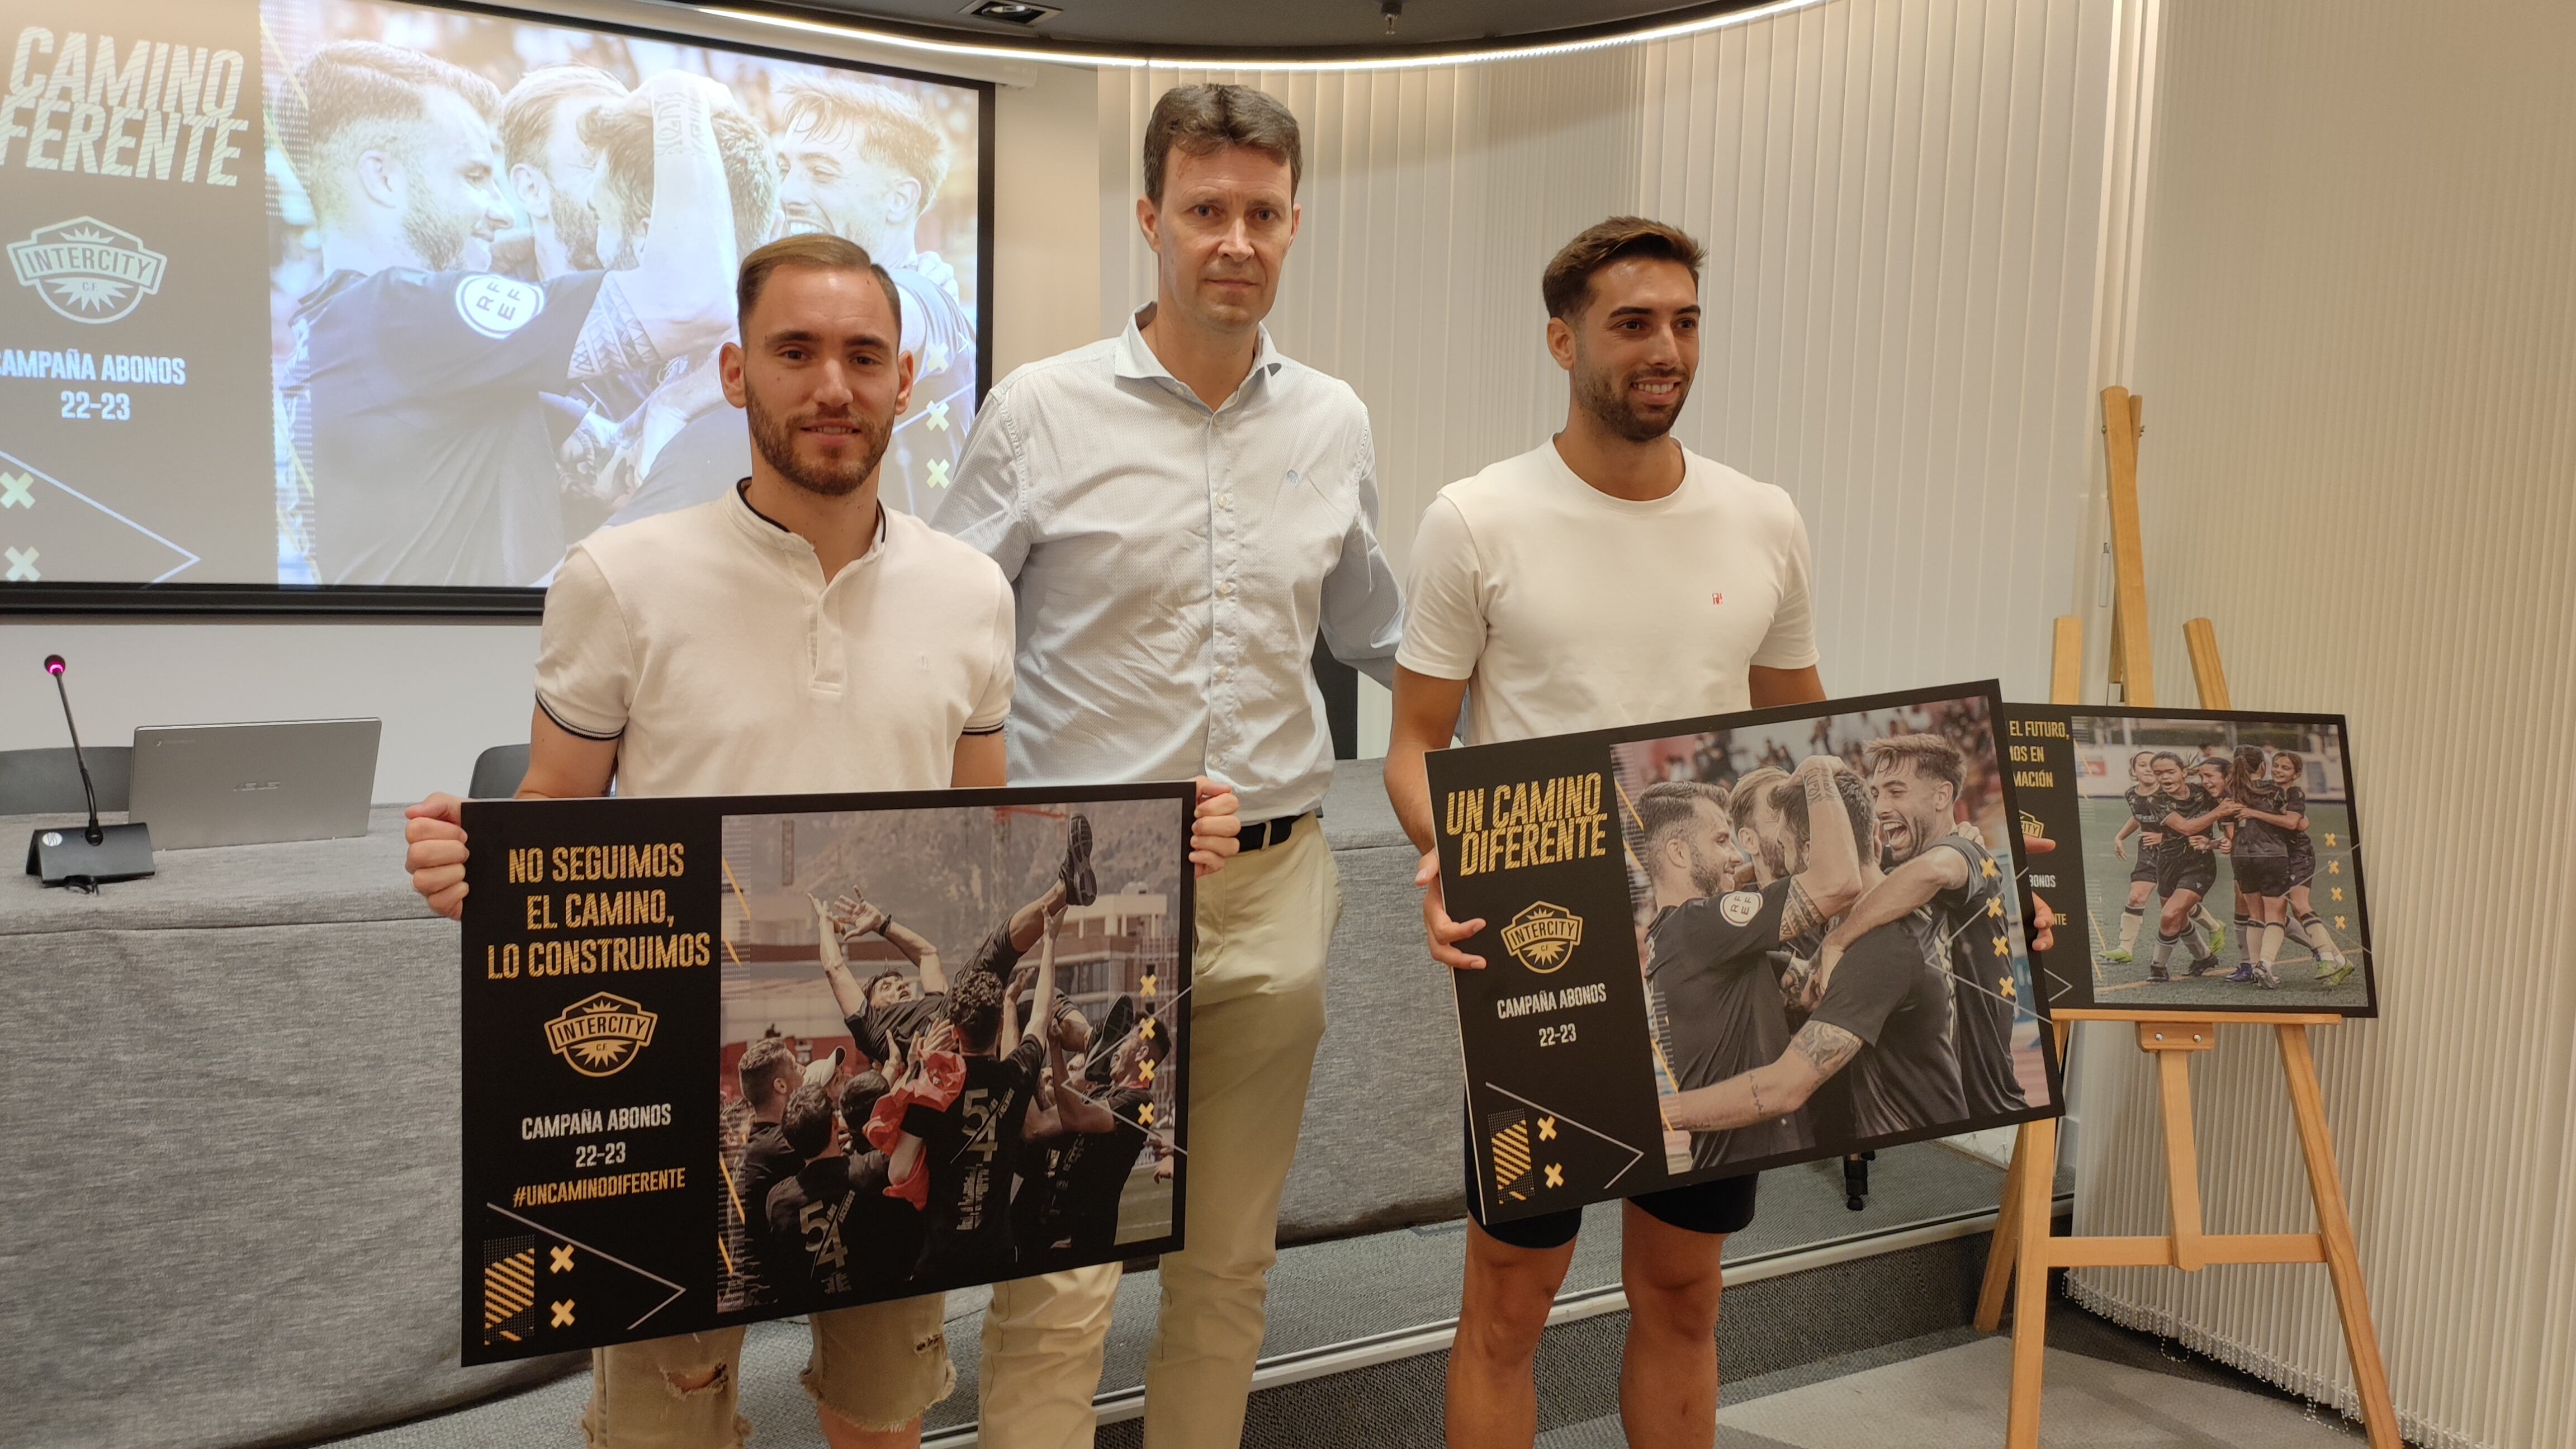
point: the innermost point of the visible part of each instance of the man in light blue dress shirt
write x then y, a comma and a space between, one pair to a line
1180, 510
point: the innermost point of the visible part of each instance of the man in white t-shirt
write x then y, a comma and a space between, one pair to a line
1606, 577
790, 637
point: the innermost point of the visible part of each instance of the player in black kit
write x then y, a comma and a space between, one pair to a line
1879, 1010
2288, 770
2190, 865
832, 1220
973, 1146
1951, 889
1103, 1136
417, 392
769, 1074
1711, 982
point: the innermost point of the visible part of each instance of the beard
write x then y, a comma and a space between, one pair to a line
577, 228
438, 241
1605, 396
1711, 875
775, 438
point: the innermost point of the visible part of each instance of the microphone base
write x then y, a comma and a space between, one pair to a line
62, 855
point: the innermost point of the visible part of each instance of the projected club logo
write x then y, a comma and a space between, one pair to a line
87, 270
599, 1035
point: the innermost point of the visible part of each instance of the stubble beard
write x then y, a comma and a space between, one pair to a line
1605, 397
776, 442
439, 243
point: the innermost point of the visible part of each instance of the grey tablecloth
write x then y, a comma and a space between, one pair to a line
228, 1159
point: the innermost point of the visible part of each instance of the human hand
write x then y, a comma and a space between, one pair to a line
1215, 827
934, 269
1823, 976
2043, 925
1443, 933
1021, 980
435, 853
2120, 848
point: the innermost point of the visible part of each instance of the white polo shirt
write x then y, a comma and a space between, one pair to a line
706, 643
1571, 610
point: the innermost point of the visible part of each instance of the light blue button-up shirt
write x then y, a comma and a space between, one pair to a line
1173, 563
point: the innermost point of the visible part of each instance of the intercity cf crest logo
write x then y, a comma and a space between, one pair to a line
87, 270
598, 1036
1543, 936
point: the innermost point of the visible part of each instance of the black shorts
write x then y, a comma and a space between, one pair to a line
1724, 1205
2145, 869
2186, 869
2262, 875
2303, 867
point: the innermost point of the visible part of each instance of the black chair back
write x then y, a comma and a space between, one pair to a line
497, 772
47, 782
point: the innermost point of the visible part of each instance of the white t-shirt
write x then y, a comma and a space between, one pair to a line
1572, 610
707, 644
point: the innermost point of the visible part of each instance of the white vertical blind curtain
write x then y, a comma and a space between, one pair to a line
1900, 201
2358, 331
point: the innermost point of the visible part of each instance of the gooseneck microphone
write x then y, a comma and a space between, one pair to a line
91, 857
54, 666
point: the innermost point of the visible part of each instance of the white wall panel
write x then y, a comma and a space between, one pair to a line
2357, 333
1901, 203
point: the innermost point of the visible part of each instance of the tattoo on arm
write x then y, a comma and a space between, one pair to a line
613, 339
677, 120
1830, 1048
1798, 914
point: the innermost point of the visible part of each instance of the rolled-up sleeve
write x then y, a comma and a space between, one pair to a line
1363, 613
985, 504
585, 652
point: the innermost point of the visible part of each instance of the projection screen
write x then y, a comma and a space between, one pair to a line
311, 301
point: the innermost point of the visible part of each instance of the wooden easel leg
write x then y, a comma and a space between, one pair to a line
2030, 1295
2007, 1243
2334, 1228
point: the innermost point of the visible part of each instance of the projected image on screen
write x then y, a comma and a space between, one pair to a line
497, 257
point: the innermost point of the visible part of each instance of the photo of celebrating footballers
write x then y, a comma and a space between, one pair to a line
2221, 863
502, 264
1830, 935
948, 1046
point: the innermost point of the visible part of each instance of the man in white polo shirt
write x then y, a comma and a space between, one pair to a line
1181, 510
1606, 577
790, 637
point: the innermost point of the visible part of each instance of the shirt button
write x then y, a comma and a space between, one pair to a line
1225, 500
1226, 588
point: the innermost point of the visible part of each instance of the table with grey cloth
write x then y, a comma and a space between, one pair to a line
229, 1157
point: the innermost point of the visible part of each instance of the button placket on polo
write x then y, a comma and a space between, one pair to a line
1225, 609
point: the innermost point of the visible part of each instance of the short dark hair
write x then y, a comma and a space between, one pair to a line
2164, 755
1566, 285
807, 1122
1748, 790
975, 1007
1667, 806
817, 249
859, 1098
528, 111
762, 1061
1156, 1043
870, 989
1930, 756
1790, 799
361, 95
620, 132
1203, 120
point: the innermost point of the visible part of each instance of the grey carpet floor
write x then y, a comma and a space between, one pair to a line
1321, 1294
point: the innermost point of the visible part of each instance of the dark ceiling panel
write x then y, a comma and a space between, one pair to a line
1321, 29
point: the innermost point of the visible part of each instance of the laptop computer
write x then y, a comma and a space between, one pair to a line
254, 784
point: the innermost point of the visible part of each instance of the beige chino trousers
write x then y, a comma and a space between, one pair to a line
1256, 1014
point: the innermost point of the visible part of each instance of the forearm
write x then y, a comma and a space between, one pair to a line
1747, 1098
1897, 895
693, 228
1832, 877
1408, 789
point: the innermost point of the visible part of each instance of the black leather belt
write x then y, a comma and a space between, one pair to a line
1262, 834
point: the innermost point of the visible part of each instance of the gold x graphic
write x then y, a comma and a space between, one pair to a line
1146, 989
2338, 892
1547, 1129
1149, 1069
561, 1260
1145, 1114
1995, 908
2000, 948
2334, 867
1990, 867
1147, 1031
2329, 837
1555, 1174
563, 1315
2339, 923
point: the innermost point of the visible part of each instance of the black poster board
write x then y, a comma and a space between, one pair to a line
623, 958
1639, 981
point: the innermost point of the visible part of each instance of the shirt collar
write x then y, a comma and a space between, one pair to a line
769, 533
1136, 359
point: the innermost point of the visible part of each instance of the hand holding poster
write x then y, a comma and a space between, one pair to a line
731, 1059
1736, 943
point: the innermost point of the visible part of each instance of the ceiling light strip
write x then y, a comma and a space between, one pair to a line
1114, 60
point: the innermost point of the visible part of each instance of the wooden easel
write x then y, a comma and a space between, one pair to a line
2022, 1240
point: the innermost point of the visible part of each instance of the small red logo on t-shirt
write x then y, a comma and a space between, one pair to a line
1717, 598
